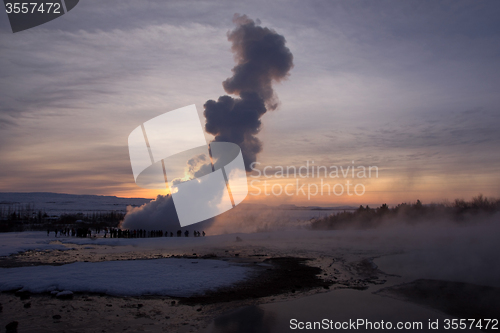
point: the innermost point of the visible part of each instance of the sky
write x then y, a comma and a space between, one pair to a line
408, 87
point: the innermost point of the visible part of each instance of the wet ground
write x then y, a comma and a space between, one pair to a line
306, 275
276, 278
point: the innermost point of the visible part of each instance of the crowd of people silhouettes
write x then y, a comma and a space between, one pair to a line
119, 233
141, 233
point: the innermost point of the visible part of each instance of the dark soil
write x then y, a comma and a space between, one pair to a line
287, 275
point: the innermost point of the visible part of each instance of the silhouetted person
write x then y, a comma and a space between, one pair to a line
186, 233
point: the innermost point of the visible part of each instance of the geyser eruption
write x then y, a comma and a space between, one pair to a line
262, 59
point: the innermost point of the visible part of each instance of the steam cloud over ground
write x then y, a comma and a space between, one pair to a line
262, 59
159, 214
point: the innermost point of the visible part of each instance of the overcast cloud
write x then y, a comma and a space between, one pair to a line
410, 86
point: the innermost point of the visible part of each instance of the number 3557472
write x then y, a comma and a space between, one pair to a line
33, 7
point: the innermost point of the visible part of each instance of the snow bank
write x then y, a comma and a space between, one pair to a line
14, 242
170, 276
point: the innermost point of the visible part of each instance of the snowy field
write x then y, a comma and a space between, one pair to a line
170, 277
458, 253
14, 242
139, 267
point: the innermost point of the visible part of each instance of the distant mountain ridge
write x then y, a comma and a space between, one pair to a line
60, 203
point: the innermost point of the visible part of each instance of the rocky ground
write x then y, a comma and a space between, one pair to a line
276, 278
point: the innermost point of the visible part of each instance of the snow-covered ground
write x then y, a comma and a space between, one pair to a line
448, 252
14, 242
170, 276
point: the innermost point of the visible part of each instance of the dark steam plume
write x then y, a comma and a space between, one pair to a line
262, 59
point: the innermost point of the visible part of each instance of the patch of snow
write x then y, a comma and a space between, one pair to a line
14, 242
64, 293
170, 276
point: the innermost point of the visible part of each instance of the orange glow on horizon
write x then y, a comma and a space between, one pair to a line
428, 189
